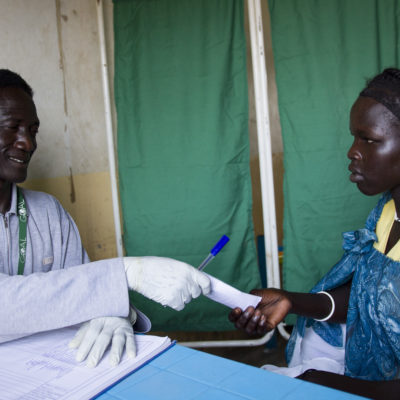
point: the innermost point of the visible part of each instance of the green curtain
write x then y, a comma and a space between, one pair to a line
183, 151
323, 52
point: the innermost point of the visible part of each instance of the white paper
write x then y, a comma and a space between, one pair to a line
43, 367
229, 296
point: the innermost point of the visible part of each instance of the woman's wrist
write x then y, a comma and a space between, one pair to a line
329, 316
310, 305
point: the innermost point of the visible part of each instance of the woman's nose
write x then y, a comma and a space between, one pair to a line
354, 152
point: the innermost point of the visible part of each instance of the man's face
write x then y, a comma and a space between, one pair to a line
19, 125
375, 152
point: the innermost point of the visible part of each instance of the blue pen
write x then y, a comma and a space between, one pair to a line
214, 251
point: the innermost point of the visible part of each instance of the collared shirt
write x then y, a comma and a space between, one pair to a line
383, 229
53, 240
38, 302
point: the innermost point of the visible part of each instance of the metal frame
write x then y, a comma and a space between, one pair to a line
109, 129
265, 156
266, 174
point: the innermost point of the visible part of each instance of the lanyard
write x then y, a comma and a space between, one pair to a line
21, 213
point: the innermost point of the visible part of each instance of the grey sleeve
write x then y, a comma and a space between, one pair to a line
52, 300
71, 251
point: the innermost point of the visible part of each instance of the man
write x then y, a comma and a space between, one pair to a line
40, 243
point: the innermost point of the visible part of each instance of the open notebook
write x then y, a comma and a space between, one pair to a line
42, 367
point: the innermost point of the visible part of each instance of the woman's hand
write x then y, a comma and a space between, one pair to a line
272, 309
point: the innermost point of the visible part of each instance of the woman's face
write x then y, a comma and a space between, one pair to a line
375, 152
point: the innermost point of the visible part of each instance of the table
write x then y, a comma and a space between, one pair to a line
185, 373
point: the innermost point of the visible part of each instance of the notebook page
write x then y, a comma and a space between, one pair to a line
42, 366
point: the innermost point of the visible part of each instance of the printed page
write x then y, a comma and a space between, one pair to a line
231, 297
42, 367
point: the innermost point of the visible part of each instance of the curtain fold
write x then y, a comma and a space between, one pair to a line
183, 151
324, 51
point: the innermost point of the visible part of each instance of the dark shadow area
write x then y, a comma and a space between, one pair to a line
272, 352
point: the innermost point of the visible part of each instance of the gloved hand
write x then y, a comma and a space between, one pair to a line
169, 282
93, 338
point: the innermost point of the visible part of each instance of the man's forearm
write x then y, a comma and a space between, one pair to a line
52, 300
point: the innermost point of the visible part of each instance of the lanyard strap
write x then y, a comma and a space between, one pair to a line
21, 213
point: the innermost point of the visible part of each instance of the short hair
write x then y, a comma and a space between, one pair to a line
12, 79
385, 89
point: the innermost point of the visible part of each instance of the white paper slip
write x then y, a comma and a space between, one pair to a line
229, 296
43, 367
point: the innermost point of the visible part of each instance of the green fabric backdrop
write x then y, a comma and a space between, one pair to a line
324, 51
183, 151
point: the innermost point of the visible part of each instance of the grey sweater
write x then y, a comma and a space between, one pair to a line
52, 295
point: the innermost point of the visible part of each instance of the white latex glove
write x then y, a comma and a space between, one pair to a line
94, 337
169, 282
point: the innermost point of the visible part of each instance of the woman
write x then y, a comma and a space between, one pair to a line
350, 322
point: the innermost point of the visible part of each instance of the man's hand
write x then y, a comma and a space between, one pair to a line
94, 337
272, 309
168, 282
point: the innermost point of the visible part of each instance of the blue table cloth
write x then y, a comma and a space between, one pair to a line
185, 373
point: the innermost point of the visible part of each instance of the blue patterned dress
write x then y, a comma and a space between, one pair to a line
372, 344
